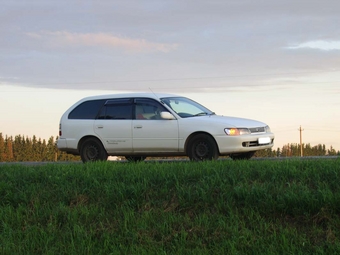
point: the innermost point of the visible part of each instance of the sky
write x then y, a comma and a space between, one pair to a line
273, 61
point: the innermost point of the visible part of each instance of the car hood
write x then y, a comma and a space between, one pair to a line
232, 121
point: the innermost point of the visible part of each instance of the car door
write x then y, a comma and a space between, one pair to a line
150, 132
113, 125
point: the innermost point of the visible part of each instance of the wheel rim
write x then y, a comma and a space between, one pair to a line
202, 150
92, 152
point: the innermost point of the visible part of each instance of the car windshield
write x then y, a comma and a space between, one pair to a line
186, 107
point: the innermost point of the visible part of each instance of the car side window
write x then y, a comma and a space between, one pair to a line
117, 109
148, 109
87, 110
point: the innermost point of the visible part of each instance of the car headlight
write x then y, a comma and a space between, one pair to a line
237, 131
267, 129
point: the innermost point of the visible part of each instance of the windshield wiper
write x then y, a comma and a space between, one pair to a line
200, 114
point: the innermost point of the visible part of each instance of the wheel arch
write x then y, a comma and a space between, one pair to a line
84, 138
187, 141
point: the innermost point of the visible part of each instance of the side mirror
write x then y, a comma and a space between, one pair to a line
167, 116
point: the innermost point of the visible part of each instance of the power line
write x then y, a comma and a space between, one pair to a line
222, 86
186, 78
328, 130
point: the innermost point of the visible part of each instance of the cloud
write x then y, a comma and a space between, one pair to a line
64, 38
318, 45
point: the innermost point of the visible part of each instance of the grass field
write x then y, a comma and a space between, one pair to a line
220, 207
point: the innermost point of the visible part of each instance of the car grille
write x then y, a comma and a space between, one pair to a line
257, 130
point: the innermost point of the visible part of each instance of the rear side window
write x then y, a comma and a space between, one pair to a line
87, 110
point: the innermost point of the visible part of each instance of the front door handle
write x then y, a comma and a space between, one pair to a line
139, 126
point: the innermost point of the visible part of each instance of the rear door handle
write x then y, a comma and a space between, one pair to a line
139, 126
99, 127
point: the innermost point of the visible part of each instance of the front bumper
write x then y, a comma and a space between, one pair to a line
244, 143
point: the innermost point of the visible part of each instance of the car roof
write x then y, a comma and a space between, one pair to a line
124, 95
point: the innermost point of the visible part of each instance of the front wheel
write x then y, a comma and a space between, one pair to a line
242, 156
92, 150
202, 147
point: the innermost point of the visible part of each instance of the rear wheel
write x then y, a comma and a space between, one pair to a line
202, 147
135, 158
92, 150
242, 156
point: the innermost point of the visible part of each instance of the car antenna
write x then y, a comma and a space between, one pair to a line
155, 95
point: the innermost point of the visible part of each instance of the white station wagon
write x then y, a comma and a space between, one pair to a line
140, 125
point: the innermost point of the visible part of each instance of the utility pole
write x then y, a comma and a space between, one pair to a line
301, 150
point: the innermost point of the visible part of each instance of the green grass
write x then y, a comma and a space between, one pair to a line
220, 207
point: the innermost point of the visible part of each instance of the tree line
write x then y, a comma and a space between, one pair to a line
294, 150
21, 148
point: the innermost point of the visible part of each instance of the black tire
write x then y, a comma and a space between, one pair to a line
135, 158
92, 150
202, 147
242, 156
